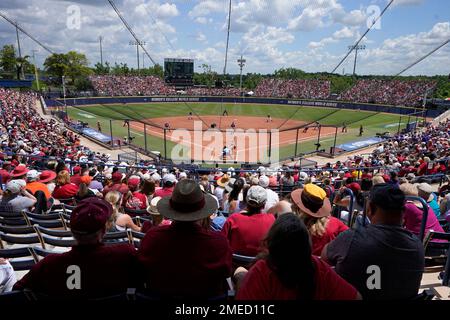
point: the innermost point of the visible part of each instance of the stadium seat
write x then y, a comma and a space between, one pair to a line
135, 213
30, 239
19, 264
118, 237
52, 232
16, 229
436, 253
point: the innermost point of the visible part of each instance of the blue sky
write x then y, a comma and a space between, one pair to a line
309, 34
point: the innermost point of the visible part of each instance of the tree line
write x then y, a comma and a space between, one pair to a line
74, 66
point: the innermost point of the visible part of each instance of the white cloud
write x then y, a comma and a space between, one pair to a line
201, 37
344, 33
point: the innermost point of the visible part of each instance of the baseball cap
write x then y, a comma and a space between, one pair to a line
169, 178
32, 175
90, 215
264, 181
14, 186
117, 177
156, 176
134, 182
256, 196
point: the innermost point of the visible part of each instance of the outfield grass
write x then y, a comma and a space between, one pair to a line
372, 122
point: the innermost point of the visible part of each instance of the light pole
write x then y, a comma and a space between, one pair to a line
101, 50
35, 70
356, 48
137, 44
64, 93
241, 63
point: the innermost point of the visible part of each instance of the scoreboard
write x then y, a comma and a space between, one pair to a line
179, 71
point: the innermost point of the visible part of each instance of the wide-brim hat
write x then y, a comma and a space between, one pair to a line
230, 185
152, 208
19, 171
187, 203
223, 181
312, 200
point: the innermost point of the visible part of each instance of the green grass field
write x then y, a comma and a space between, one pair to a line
373, 122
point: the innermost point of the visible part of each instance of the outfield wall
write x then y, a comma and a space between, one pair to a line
251, 100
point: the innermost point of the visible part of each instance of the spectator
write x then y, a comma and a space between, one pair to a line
157, 218
197, 259
16, 198
135, 199
235, 201
64, 188
272, 196
5, 172
47, 177
414, 213
118, 221
385, 244
169, 182
97, 263
286, 269
246, 230
220, 188
7, 276
314, 208
425, 191
117, 184
33, 185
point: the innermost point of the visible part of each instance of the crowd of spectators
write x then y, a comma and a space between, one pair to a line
300, 89
130, 86
390, 92
287, 219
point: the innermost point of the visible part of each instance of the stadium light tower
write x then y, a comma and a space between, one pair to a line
101, 50
241, 63
35, 70
137, 44
356, 48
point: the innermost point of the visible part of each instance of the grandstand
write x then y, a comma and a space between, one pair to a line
347, 196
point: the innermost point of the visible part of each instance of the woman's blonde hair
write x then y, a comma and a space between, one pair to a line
315, 226
378, 179
62, 178
113, 198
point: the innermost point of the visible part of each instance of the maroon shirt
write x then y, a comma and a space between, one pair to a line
185, 260
105, 270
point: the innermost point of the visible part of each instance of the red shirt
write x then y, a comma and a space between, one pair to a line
184, 259
76, 179
333, 229
138, 201
104, 270
164, 192
65, 192
245, 232
261, 283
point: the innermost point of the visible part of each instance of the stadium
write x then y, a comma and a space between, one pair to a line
170, 184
